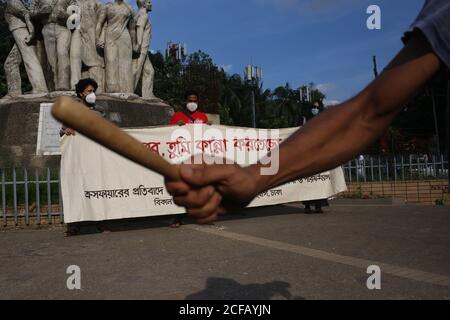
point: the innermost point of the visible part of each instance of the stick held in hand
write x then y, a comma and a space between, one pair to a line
75, 115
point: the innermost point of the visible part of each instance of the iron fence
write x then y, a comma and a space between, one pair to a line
396, 168
30, 193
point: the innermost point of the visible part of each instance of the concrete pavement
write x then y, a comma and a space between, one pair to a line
266, 253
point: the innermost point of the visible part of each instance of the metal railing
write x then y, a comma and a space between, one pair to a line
396, 168
30, 194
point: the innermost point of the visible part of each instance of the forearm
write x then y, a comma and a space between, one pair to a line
325, 142
344, 131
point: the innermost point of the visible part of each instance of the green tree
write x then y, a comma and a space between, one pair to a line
168, 83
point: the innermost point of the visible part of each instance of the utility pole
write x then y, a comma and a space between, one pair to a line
253, 77
383, 139
436, 129
375, 68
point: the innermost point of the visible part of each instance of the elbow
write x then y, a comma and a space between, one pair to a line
373, 117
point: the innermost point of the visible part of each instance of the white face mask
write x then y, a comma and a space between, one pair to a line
315, 111
192, 106
90, 98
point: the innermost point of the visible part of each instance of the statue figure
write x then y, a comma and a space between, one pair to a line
57, 37
86, 62
18, 18
119, 44
142, 66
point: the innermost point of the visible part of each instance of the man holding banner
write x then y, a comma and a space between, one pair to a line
189, 115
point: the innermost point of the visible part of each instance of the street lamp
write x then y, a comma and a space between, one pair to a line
253, 77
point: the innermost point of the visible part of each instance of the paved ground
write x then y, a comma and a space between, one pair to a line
269, 253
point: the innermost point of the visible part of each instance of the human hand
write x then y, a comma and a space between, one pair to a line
207, 191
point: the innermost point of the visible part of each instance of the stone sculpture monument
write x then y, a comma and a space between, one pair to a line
62, 41
19, 22
142, 66
82, 38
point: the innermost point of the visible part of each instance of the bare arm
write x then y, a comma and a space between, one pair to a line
326, 142
344, 131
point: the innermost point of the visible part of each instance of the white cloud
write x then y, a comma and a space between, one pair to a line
329, 103
226, 67
326, 88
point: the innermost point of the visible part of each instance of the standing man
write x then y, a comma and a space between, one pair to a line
142, 66
19, 23
85, 90
189, 115
57, 37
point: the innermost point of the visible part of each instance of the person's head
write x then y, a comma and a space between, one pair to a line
85, 90
147, 4
317, 104
191, 101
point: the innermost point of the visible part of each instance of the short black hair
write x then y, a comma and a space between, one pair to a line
190, 93
83, 84
319, 102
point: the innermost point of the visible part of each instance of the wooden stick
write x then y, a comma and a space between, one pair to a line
78, 117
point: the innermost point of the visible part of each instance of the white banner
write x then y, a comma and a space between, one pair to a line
98, 184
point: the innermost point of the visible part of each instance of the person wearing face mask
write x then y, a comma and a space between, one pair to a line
316, 107
318, 204
189, 115
85, 90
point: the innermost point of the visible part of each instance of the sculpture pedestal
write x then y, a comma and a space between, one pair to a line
19, 122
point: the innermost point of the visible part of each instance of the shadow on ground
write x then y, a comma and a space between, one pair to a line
164, 221
229, 289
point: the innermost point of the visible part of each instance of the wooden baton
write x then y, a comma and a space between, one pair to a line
76, 116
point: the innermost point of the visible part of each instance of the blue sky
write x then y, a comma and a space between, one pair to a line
296, 41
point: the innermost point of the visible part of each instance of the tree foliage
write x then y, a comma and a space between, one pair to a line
230, 96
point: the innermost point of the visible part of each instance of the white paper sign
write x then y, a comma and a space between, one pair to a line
48, 132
